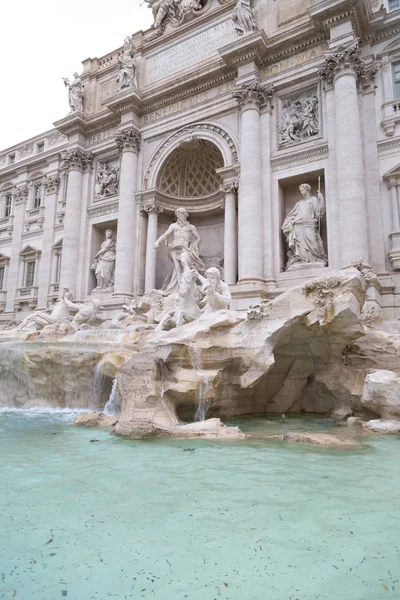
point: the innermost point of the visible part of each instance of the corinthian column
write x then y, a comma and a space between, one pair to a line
251, 100
230, 232
76, 162
50, 185
128, 143
152, 211
342, 68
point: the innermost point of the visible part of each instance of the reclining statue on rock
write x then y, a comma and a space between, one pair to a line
86, 313
217, 295
188, 308
59, 313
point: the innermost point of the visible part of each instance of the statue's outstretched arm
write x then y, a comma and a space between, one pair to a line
163, 237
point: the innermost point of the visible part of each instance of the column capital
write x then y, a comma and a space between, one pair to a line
51, 184
346, 59
230, 187
20, 194
128, 140
151, 208
253, 95
77, 159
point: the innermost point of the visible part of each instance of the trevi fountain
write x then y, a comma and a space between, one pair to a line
199, 326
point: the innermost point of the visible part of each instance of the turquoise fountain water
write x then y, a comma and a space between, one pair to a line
88, 516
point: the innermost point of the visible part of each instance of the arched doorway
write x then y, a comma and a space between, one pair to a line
190, 177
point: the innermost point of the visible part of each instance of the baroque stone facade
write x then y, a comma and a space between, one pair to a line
224, 108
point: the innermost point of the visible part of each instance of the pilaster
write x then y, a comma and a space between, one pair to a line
51, 186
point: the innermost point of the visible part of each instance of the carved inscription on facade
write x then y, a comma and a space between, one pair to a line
102, 136
186, 103
190, 52
294, 61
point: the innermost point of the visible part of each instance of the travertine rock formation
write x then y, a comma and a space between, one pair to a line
288, 360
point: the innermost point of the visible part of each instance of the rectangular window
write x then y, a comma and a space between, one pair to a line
30, 273
396, 79
393, 4
2, 273
37, 196
8, 205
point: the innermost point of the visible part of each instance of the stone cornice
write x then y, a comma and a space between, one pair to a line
73, 123
300, 157
128, 140
251, 47
77, 159
129, 99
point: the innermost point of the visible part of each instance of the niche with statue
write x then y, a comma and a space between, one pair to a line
303, 222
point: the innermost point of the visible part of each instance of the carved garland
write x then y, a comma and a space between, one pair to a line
190, 130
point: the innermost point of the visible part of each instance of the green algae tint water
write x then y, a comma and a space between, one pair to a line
85, 515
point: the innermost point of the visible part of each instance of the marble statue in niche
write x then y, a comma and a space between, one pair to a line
301, 228
242, 17
127, 68
104, 264
183, 249
299, 118
75, 93
106, 180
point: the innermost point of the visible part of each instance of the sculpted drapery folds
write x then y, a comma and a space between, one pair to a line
175, 10
104, 263
75, 93
301, 229
183, 249
127, 69
242, 17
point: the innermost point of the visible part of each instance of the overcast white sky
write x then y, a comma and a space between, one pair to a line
42, 41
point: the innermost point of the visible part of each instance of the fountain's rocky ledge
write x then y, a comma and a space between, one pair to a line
307, 351
311, 350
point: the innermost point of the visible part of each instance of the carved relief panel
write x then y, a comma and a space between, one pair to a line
299, 116
106, 178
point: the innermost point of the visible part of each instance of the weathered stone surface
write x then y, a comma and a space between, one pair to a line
319, 439
95, 419
381, 393
289, 360
383, 425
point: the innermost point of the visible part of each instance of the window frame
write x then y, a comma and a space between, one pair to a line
26, 273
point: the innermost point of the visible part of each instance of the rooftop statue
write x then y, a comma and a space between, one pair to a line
127, 69
242, 17
183, 249
75, 93
302, 229
176, 10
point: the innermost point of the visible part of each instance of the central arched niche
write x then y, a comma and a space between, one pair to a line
188, 178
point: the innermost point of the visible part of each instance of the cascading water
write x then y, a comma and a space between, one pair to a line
203, 394
113, 406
